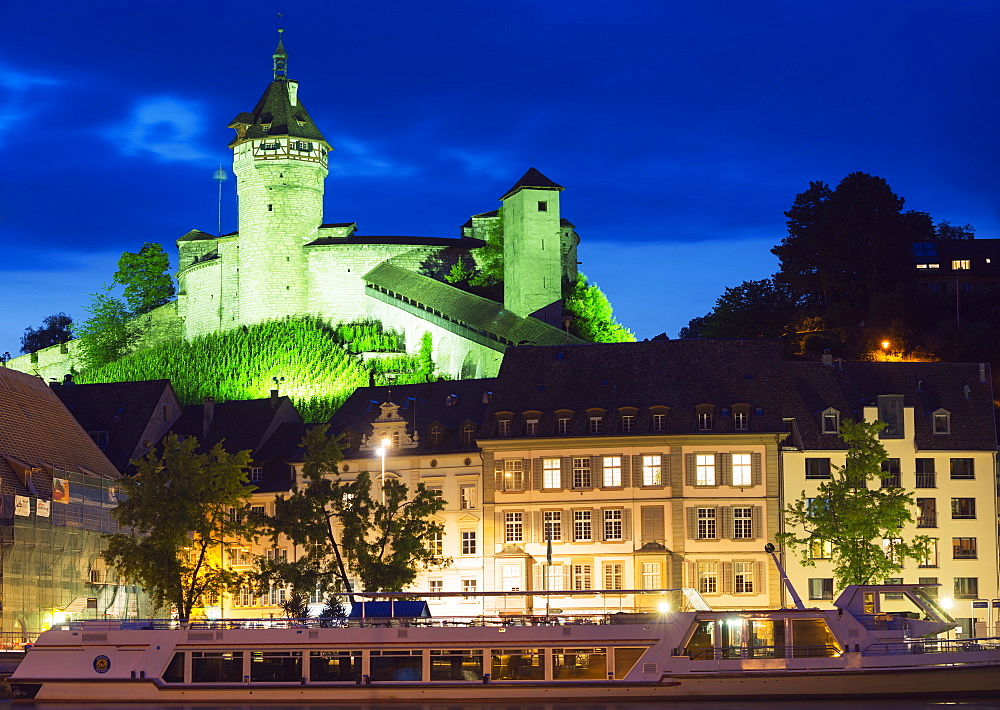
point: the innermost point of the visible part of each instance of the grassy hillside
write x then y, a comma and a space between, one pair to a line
320, 364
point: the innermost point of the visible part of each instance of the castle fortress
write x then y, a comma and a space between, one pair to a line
285, 261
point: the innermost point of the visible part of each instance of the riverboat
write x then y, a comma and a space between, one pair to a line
878, 641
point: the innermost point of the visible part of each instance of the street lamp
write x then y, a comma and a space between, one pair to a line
381, 452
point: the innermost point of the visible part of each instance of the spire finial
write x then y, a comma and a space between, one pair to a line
280, 57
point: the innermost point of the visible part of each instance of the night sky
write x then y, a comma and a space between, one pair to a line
681, 131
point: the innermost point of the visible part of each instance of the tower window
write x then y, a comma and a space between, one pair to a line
270, 208
543, 206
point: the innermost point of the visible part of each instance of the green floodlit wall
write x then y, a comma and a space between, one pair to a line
50, 563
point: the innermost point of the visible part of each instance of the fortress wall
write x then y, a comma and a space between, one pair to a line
453, 355
229, 283
202, 301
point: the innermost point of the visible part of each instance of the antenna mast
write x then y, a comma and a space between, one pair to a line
220, 176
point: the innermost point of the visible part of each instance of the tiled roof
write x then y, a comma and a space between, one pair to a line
240, 425
123, 409
450, 404
276, 110
37, 430
534, 179
677, 374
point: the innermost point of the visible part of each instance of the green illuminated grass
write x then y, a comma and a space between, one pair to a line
316, 360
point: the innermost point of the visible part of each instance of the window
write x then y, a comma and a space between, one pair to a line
239, 557
890, 411
704, 421
964, 548
596, 425
514, 527
708, 577
531, 427
614, 575
820, 549
468, 497
436, 492
256, 474
611, 470
562, 425
941, 421
931, 558
966, 587
704, 465
925, 473
613, 526
435, 544
581, 578
817, 468
890, 546
928, 584
706, 524
742, 470
551, 473
100, 438
831, 421
743, 577
652, 470
926, 512
552, 525
741, 420
581, 472
650, 575
513, 475
963, 469
469, 546
468, 434
890, 474
820, 588
437, 436
468, 586
303, 145
394, 439
963, 508
553, 576
503, 427
961, 264
582, 526
510, 578
659, 422
628, 422
435, 585
543, 206
742, 523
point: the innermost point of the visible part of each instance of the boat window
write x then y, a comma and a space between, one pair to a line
580, 664
625, 660
811, 638
732, 638
518, 664
396, 665
457, 665
766, 638
335, 665
217, 666
175, 671
275, 666
701, 647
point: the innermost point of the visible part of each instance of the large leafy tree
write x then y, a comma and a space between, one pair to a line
54, 331
176, 515
862, 523
109, 333
593, 317
343, 526
146, 277
754, 309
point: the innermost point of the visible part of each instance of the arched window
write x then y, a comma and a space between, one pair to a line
468, 434
395, 439
437, 435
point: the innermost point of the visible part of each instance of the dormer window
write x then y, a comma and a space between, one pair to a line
531, 427
706, 415
596, 425
437, 435
830, 420
741, 417
395, 439
941, 420
503, 427
468, 434
628, 423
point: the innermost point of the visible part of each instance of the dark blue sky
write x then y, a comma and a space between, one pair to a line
681, 131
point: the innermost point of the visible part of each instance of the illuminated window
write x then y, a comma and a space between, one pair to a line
611, 470
652, 470
650, 575
741, 420
964, 548
704, 421
582, 526
468, 497
820, 550
931, 558
708, 577
614, 575
513, 475
704, 469
435, 544
551, 473
966, 587
963, 508
582, 578
960, 264
821, 588
742, 470
613, 529
552, 525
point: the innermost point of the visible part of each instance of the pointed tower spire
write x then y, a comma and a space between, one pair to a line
280, 57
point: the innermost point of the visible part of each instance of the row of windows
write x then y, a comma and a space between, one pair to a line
735, 522
961, 509
962, 548
569, 423
964, 587
436, 437
564, 526
736, 577
959, 468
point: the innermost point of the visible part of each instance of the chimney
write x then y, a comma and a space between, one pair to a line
293, 92
68, 378
274, 399
207, 416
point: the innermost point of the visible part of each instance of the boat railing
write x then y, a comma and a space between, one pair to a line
921, 646
882, 622
724, 653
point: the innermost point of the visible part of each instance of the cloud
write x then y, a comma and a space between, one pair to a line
17, 91
168, 127
491, 165
354, 158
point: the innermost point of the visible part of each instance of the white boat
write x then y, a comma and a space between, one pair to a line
879, 641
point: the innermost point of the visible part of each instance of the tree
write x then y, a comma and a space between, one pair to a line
176, 515
946, 230
490, 255
863, 525
754, 309
109, 334
342, 525
146, 278
54, 331
593, 317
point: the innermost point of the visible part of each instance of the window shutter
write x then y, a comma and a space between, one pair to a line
567, 472
539, 526
597, 520
726, 577
498, 476
525, 474
726, 523
567, 577
724, 464
665, 468
692, 574
596, 472
537, 465
488, 465
501, 531
526, 518
626, 524
758, 578
690, 469
692, 523
652, 524
756, 522
539, 575
756, 470
636, 471
626, 470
